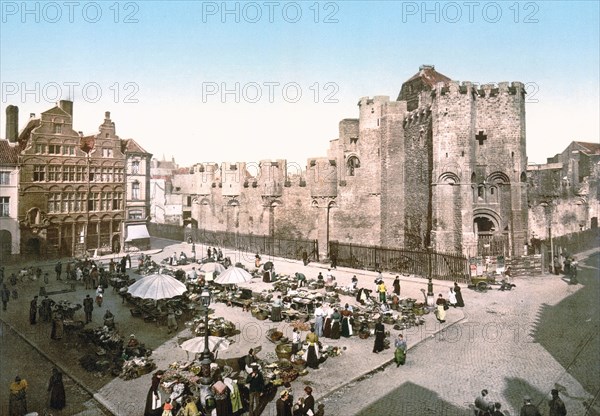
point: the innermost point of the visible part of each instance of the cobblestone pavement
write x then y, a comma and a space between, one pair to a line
17, 357
540, 336
499, 341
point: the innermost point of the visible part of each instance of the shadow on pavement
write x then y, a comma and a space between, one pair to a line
570, 330
412, 399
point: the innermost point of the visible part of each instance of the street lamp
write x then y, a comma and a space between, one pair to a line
429, 282
206, 356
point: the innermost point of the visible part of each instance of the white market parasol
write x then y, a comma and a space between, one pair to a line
233, 276
157, 286
212, 267
197, 344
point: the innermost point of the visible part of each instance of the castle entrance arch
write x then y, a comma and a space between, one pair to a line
491, 241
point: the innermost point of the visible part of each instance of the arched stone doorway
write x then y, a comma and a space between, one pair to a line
491, 240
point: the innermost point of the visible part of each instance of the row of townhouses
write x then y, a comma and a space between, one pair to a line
64, 193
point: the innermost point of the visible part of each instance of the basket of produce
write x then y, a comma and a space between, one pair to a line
283, 351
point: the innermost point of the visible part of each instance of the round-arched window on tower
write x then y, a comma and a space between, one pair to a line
352, 164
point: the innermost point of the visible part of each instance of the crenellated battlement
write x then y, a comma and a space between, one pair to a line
454, 88
417, 116
377, 99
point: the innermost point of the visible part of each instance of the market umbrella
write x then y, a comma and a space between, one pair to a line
157, 286
212, 267
197, 344
233, 276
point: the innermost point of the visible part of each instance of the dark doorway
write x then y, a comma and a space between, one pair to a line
5, 243
33, 246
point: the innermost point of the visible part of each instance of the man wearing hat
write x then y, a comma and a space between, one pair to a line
256, 385
528, 408
306, 405
556, 405
284, 404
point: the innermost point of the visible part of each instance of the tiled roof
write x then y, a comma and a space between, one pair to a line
590, 148
131, 146
9, 155
429, 76
26, 132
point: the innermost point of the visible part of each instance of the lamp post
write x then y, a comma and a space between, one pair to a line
206, 356
429, 277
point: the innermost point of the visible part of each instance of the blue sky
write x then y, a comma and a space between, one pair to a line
161, 67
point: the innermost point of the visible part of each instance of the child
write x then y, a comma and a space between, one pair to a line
167, 408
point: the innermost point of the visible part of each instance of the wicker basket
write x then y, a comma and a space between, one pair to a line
283, 351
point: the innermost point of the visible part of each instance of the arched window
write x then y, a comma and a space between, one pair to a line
481, 193
352, 164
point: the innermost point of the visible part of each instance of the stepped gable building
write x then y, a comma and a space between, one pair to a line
443, 166
74, 190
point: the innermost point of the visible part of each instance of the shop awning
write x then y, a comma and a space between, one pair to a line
137, 232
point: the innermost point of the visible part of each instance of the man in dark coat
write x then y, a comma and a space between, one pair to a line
58, 270
33, 309
256, 385
284, 404
396, 285
556, 405
88, 307
5, 293
307, 403
528, 408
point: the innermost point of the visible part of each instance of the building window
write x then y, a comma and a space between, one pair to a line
69, 150
94, 201
53, 173
58, 129
39, 173
54, 202
117, 203
79, 203
135, 214
4, 206
69, 173
54, 149
189, 201
135, 190
353, 163
39, 148
106, 175
105, 203
135, 166
80, 173
107, 152
68, 202
4, 178
94, 174
119, 175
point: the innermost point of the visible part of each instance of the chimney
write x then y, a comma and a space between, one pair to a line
12, 123
107, 115
31, 115
67, 106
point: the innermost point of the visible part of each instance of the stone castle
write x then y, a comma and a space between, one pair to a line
443, 166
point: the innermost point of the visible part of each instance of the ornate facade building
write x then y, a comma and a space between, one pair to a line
443, 166
77, 193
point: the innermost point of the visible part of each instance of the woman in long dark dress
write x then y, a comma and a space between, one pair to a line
327, 324
336, 318
346, 324
222, 398
459, 298
57, 390
57, 326
312, 353
153, 400
379, 337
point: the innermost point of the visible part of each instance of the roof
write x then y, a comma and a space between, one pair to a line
56, 110
429, 75
131, 146
9, 155
589, 148
32, 123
